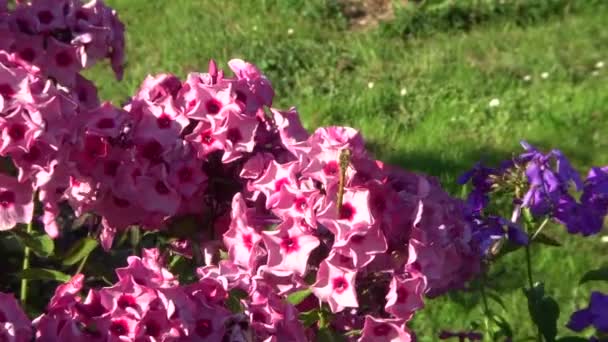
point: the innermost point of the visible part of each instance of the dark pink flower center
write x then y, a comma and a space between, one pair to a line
164, 121
300, 204
64, 59
339, 284
357, 239
95, 146
32, 155
241, 96
119, 327
6, 90
290, 244
204, 327
126, 301
234, 135
207, 137
28, 54
248, 241
213, 106
347, 212
121, 203
81, 15
192, 103
185, 174
382, 329
279, 184
110, 168
45, 17
17, 131
152, 329
2, 317
106, 123
331, 168
152, 151
161, 188
402, 295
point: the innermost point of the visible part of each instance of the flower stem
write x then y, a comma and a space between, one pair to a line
25, 266
540, 228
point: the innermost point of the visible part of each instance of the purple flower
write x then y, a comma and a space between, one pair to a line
487, 230
595, 314
579, 218
479, 176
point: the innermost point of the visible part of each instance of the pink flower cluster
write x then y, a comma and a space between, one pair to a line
62, 37
146, 304
15, 326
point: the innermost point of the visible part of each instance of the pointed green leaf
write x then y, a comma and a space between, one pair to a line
545, 239
597, 274
79, 251
44, 274
234, 300
39, 243
309, 318
544, 311
299, 296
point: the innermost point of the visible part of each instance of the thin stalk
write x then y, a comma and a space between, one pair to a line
540, 228
81, 265
25, 266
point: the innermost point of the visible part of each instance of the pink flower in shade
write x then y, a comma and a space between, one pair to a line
157, 195
127, 298
290, 128
186, 176
405, 296
15, 326
255, 166
106, 120
239, 132
242, 241
354, 215
289, 248
155, 326
336, 286
251, 81
338, 138
62, 62
385, 330
363, 245
85, 92
147, 270
16, 202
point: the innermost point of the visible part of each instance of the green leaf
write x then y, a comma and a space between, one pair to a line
505, 247
234, 300
39, 243
309, 318
572, 339
527, 215
184, 227
544, 311
545, 239
298, 296
328, 335
81, 249
495, 297
597, 274
503, 327
44, 274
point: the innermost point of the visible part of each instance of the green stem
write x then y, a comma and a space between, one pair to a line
82, 263
529, 267
540, 228
25, 266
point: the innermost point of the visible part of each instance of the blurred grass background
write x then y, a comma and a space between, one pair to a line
417, 80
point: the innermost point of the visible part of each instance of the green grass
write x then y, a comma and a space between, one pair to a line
441, 127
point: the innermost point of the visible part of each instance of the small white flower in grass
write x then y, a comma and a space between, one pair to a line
370, 85
494, 103
403, 92
290, 31
599, 65
544, 75
595, 73
604, 239
527, 78
255, 28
